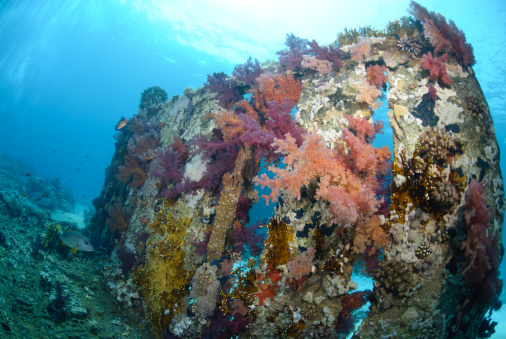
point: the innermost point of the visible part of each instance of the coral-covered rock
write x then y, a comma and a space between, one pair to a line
341, 201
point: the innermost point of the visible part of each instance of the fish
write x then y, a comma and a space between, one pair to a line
76, 241
39, 199
122, 124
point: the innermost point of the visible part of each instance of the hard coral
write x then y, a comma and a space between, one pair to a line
393, 281
152, 99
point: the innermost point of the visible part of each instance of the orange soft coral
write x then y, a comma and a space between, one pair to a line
275, 87
132, 173
230, 123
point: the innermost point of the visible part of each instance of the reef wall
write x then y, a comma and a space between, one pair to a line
424, 221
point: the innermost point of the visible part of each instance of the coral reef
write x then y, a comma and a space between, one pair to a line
422, 219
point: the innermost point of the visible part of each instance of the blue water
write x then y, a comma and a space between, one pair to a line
70, 69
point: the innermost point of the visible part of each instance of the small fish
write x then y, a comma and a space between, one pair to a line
122, 124
24, 194
28, 175
76, 241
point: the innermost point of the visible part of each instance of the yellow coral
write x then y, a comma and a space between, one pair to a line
52, 233
277, 243
163, 280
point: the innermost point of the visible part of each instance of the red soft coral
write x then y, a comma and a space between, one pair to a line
437, 68
443, 36
481, 250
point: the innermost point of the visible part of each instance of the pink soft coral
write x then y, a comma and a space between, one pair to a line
346, 177
360, 50
367, 93
301, 264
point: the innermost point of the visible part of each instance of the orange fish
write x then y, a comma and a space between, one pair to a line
24, 194
122, 124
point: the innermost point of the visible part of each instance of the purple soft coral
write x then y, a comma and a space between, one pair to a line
168, 168
227, 92
297, 47
249, 72
330, 53
281, 122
